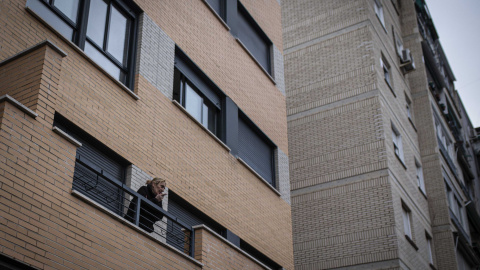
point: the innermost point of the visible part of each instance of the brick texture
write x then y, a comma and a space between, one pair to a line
44, 225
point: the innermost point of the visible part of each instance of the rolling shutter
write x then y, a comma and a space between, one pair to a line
255, 151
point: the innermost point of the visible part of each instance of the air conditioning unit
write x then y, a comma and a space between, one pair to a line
407, 61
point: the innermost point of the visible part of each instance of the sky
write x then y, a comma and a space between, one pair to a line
458, 27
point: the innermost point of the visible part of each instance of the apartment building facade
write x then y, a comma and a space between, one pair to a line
383, 173
98, 96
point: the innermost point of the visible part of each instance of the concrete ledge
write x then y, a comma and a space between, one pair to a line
259, 176
202, 226
66, 136
19, 105
121, 219
33, 48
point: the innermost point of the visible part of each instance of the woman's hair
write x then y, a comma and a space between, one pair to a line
157, 180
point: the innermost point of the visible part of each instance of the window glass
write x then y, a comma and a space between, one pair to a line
103, 61
68, 7
193, 103
429, 247
97, 18
117, 35
406, 222
379, 11
205, 111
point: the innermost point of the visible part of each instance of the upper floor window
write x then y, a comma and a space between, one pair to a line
196, 93
429, 248
198, 105
407, 223
387, 74
256, 150
397, 143
104, 29
420, 180
379, 11
409, 107
254, 39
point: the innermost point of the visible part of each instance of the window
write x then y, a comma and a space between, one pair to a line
386, 71
429, 248
104, 29
450, 196
96, 167
397, 143
256, 149
198, 106
420, 180
398, 44
254, 39
190, 215
408, 107
407, 225
379, 12
196, 93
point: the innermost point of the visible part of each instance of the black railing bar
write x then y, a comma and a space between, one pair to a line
87, 164
92, 166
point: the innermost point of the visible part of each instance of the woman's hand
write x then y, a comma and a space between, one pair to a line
160, 196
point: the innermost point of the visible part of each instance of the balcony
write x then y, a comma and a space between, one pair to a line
122, 201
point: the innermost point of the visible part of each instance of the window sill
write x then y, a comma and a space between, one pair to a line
216, 15
411, 242
124, 221
413, 125
255, 60
259, 176
81, 52
66, 136
200, 125
391, 88
423, 193
401, 161
382, 23
19, 105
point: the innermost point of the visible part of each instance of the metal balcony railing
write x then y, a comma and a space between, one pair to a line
120, 199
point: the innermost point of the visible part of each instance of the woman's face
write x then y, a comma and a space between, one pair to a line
159, 188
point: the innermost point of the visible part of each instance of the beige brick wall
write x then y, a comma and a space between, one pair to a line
151, 133
340, 114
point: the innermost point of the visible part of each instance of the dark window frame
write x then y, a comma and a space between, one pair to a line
187, 72
79, 36
183, 82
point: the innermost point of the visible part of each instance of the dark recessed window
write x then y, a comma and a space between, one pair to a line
104, 29
200, 97
256, 150
253, 37
97, 168
198, 105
